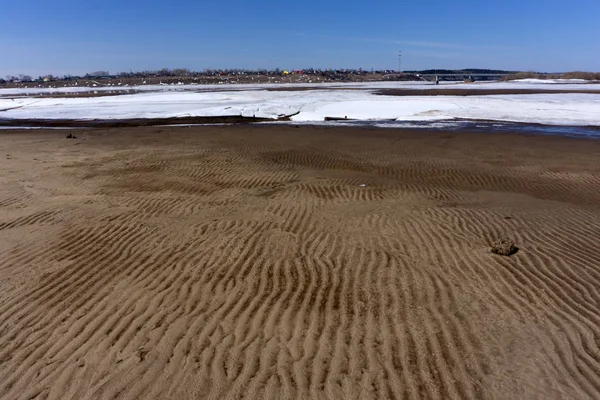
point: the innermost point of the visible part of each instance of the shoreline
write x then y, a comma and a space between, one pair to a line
455, 125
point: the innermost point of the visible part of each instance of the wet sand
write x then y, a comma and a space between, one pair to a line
311, 262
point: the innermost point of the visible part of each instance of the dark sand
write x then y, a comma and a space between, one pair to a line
457, 91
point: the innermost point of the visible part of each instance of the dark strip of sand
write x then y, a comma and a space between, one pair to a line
475, 92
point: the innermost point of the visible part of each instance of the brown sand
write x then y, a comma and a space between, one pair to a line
229, 262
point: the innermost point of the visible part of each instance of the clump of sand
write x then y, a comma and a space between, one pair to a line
504, 247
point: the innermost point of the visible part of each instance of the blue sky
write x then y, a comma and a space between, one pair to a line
79, 36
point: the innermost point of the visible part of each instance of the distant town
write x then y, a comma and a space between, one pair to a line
309, 75
336, 74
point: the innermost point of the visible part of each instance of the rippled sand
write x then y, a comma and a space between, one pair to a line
282, 262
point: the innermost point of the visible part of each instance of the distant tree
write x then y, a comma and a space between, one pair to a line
581, 75
25, 78
97, 74
181, 72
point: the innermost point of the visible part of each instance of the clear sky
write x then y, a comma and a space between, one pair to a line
78, 36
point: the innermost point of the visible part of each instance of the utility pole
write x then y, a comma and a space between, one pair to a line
399, 62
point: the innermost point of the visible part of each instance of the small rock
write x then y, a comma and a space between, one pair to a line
504, 247
71, 136
141, 353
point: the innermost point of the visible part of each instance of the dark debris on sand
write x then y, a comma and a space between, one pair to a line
504, 247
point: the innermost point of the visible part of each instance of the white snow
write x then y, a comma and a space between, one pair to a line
551, 109
564, 81
327, 100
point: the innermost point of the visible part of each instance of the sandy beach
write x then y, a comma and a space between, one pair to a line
298, 262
